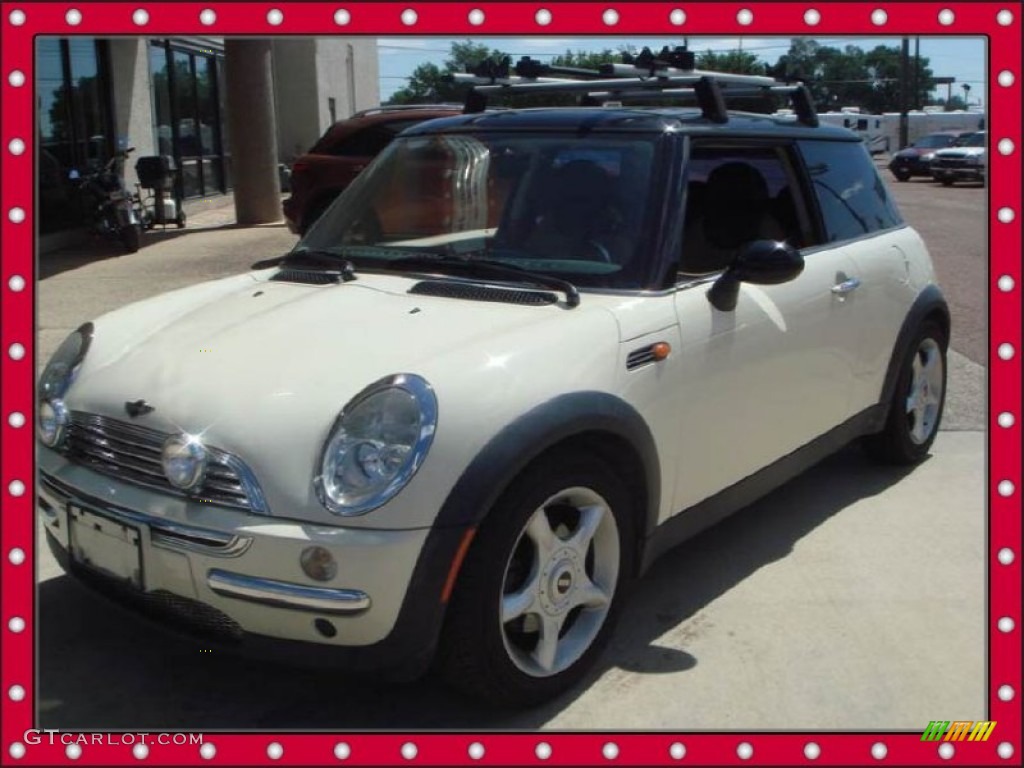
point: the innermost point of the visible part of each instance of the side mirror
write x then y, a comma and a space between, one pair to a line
762, 262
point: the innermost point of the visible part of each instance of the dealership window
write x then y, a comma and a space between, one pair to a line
74, 119
187, 114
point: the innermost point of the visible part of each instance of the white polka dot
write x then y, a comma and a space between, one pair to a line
1006, 556
946, 17
73, 17
16, 215
16, 488
207, 16
879, 17
341, 749
141, 18
610, 751
17, 351
1005, 17
1005, 750
677, 751
543, 17
17, 750
274, 750
610, 17
677, 17
1005, 351
16, 146
341, 18
17, 17
16, 283
73, 751
1005, 693
16, 78
207, 751
16, 419
812, 17
140, 751
17, 693
476, 17
476, 750
1006, 283
16, 624
543, 751
1005, 146
745, 16
879, 750
409, 751
812, 751
1005, 78
409, 17
745, 750
946, 750
1006, 215
1005, 488
16, 556
1005, 624
275, 17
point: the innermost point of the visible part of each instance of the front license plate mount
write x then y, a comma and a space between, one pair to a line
100, 544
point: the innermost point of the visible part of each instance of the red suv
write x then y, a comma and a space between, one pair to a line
342, 152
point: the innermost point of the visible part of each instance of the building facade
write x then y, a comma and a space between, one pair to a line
166, 96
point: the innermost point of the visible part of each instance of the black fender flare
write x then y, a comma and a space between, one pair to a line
929, 301
521, 442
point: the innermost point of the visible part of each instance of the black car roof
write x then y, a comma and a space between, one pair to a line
630, 119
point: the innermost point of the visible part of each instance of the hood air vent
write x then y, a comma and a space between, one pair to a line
307, 276
473, 292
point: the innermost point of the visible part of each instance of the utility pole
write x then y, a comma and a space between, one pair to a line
904, 76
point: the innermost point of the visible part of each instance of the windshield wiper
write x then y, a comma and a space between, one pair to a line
487, 267
312, 257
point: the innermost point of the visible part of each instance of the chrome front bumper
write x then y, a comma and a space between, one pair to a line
248, 570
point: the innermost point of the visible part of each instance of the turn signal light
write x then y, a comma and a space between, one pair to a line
661, 350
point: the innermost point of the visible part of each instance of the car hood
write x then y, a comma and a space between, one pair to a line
961, 152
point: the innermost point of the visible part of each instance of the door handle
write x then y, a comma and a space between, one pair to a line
846, 287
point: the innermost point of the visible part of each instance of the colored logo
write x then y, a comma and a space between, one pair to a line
958, 730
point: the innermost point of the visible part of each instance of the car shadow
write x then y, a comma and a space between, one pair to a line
102, 668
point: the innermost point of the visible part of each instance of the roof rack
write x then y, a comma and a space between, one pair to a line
669, 73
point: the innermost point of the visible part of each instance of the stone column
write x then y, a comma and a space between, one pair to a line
250, 105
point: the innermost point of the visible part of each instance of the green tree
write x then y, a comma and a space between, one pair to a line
432, 84
736, 62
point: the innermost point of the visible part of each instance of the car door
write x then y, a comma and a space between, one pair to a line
776, 372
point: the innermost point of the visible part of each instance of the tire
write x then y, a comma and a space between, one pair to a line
518, 564
901, 174
947, 182
180, 219
915, 411
131, 237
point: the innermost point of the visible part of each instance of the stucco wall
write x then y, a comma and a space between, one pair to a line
132, 96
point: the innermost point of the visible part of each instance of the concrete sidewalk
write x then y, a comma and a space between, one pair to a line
830, 604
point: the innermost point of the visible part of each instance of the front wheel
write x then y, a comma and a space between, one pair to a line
901, 174
918, 401
540, 588
131, 237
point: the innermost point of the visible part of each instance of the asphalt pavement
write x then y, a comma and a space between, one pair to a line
830, 604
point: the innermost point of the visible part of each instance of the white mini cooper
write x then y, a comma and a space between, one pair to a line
525, 353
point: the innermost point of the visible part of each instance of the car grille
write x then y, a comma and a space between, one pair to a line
950, 162
133, 454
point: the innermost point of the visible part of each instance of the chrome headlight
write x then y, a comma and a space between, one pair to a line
51, 422
928, 157
61, 370
57, 377
377, 444
184, 459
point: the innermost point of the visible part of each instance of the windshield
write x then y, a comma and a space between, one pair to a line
570, 207
974, 140
935, 140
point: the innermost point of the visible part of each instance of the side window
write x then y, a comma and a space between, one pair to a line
850, 194
371, 141
735, 195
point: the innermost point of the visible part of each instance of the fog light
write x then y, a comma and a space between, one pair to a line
318, 564
52, 422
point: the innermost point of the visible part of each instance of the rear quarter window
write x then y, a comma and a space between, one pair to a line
850, 194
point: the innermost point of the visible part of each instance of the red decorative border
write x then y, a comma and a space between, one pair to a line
451, 20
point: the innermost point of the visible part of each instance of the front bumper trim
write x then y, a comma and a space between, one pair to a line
286, 595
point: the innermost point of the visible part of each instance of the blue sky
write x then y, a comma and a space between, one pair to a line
959, 57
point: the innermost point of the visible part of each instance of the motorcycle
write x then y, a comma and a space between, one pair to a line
113, 211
